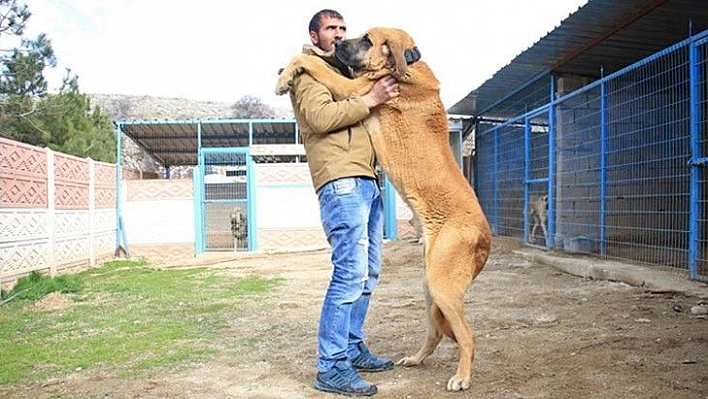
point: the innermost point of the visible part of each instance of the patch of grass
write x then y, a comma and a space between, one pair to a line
125, 318
37, 285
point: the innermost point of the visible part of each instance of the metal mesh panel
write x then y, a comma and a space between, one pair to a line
537, 210
701, 111
629, 158
538, 167
577, 177
506, 171
225, 201
648, 147
485, 172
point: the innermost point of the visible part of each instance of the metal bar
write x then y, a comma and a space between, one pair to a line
202, 196
119, 178
695, 172
539, 180
204, 122
495, 184
225, 201
252, 221
551, 215
390, 222
527, 176
224, 150
121, 236
197, 204
603, 165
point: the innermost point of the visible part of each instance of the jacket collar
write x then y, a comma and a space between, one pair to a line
329, 57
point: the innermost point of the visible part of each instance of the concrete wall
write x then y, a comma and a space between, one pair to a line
57, 211
159, 214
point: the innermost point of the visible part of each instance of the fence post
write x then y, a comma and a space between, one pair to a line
51, 212
604, 151
92, 212
551, 215
696, 173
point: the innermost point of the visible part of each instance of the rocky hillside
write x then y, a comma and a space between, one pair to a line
120, 107
125, 107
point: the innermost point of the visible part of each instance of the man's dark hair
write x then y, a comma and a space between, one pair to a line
316, 21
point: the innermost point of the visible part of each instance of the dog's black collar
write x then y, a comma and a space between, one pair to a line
412, 55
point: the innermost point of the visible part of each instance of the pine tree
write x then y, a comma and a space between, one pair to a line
64, 121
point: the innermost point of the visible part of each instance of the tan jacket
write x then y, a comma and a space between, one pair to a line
336, 143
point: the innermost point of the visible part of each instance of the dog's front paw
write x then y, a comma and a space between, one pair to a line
287, 75
284, 85
458, 383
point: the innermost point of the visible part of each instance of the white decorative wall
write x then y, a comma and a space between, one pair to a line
57, 211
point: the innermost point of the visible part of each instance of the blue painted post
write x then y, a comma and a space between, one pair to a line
551, 215
390, 210
251, 202
695, 177
201, 194
495, 190
197, 183
121, 236
604, 143
119, 179
527, 174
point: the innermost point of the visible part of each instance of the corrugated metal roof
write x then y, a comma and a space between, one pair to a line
601, 35
174, 142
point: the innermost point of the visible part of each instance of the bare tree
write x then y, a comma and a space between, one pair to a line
250, 107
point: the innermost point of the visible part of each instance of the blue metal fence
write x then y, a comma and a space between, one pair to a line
622, 159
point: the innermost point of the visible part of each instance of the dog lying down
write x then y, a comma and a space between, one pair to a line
411, 139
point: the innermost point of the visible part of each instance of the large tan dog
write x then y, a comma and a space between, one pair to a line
411, 140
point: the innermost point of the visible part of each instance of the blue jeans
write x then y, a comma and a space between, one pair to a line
351, 210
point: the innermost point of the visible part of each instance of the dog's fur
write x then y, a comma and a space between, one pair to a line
538, 208
411, 140
239, 227
417, 227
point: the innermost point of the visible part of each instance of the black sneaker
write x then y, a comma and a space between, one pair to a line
365, 361
342, 379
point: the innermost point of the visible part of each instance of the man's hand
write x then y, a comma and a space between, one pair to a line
384, 89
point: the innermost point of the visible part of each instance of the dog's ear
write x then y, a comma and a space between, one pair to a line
397, 55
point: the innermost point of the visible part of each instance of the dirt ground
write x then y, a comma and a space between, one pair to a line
541, 333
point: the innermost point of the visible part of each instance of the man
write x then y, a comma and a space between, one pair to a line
342, 164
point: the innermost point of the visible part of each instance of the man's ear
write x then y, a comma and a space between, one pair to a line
397, 57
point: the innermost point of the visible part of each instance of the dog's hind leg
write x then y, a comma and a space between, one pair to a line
534, 229
433, 337
448, 295
456, 257
544, 229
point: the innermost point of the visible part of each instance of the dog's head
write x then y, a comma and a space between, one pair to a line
378, 49
543, 200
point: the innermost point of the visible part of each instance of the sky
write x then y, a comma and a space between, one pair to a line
223, 50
